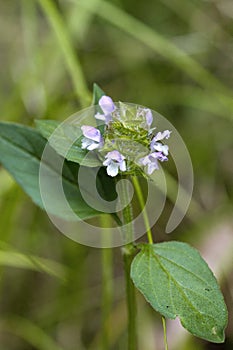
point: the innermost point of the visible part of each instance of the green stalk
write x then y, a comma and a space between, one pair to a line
164, 333
130, 299
128, 256
72, 62
142, 205
107, 287
107, 294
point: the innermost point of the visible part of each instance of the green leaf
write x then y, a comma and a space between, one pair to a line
62, 138
97, 94
21, 149
176, 281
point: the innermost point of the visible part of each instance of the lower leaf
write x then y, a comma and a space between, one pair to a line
177, 282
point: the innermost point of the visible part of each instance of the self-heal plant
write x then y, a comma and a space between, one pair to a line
121, 143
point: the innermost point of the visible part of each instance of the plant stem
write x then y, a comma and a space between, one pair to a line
127, 258
107, 285
164, 333
142, 205
130, 299
70, 56
107, 294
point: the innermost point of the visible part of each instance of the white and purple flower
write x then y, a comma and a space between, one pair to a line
162, 135
114, 161
107, 106
92, 138
149, 117
151, 161
158, 146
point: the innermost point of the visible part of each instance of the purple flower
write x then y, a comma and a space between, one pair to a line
149, 117
92, 138
151, 161
158, 146
107, 106
162, 135
114, 161
146, 117
160, 156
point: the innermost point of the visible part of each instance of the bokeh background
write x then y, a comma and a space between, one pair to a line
175, 57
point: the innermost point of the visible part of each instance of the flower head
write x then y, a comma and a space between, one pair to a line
128, 142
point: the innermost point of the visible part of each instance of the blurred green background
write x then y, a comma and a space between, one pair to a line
173, 56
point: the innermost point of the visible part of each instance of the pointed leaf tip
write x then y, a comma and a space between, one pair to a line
97, 94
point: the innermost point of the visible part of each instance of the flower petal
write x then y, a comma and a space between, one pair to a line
91, 133
93, 146
162, 135
115, 155
159, 147
152, 166
144, 161
149, 117
112, 169
106, 104
107, 161
123, 166
100, 116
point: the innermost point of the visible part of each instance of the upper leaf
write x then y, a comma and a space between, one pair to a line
97, 94
61, 136
176, 281
21, 149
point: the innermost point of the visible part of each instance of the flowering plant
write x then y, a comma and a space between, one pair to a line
172, 276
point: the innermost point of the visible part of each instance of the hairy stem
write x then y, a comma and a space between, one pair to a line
107, 294
107, 284
128, 251
131, 300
